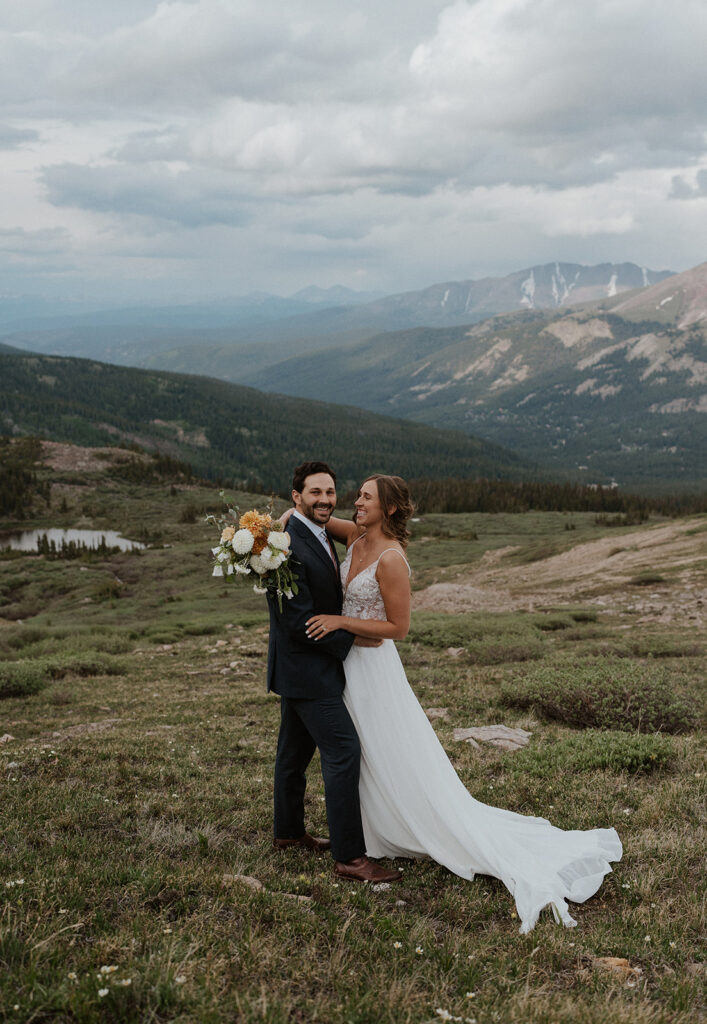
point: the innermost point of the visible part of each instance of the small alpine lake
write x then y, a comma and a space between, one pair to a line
26, 540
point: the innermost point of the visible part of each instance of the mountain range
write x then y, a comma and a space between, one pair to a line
230, 340
615, 389
593, 373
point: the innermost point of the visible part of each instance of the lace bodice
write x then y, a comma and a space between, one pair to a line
362, 597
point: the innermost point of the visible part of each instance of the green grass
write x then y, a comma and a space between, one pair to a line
129, 801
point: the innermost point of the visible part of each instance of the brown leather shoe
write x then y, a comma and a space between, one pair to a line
306, 841
364, 870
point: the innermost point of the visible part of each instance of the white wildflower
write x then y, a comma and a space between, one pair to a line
218, 570
259, 590
279, 539
243, 570
180, 979
397, 945
419, 950
124, 982
242, 542
102, 992
229, 570
108, 969
258, 565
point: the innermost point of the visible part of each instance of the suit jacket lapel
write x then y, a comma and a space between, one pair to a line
315, 545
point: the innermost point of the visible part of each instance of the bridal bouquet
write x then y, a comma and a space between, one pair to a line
253, 544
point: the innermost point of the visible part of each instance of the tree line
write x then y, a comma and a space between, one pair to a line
19, 485
456, 495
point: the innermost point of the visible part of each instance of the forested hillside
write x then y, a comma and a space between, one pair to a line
226, 431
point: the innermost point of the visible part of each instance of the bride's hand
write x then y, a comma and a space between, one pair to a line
319, 625
285, 517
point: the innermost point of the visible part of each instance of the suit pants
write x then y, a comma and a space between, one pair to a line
305, 725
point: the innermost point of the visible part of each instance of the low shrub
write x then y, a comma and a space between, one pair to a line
480, 653
604, 694
595, 749
202, 628
90, 663
583, 614
553, 623
648, 647
645, 579
22, 678
438, 630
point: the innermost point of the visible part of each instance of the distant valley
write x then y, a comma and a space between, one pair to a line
612, 390
592, 373
227, 431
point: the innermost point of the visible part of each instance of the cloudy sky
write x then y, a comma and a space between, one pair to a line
195, 149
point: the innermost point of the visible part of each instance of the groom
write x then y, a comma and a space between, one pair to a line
309, 677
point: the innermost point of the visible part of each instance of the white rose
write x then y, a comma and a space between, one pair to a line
242, 542
279, 539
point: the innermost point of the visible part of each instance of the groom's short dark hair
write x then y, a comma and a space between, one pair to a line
301, 473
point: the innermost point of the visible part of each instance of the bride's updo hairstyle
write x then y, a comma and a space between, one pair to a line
393, 493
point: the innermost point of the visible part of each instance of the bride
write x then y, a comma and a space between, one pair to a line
413, 804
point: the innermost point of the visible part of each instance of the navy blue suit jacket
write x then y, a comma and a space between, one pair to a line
297, 666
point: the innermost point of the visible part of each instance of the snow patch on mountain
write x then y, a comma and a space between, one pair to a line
527, 291
611, 289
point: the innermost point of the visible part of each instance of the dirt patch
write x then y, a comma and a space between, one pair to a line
67, 457
597, 572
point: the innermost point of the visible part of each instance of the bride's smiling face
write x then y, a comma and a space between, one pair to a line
367, 505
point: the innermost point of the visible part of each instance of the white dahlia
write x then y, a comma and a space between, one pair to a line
242, 542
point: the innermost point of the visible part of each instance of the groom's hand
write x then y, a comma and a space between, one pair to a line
367, 641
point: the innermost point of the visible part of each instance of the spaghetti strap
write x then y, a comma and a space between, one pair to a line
397, 553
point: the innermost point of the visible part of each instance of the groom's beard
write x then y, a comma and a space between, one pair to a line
320, 512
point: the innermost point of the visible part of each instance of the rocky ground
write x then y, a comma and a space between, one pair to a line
599, 572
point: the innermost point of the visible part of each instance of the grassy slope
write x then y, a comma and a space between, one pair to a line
131, 800
226, 430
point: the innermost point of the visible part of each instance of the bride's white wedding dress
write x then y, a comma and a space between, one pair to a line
413, 803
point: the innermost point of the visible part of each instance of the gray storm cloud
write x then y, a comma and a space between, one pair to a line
388, 147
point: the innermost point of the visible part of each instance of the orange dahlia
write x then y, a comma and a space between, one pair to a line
259, 525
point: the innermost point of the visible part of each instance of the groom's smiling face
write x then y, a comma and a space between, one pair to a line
317, 499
